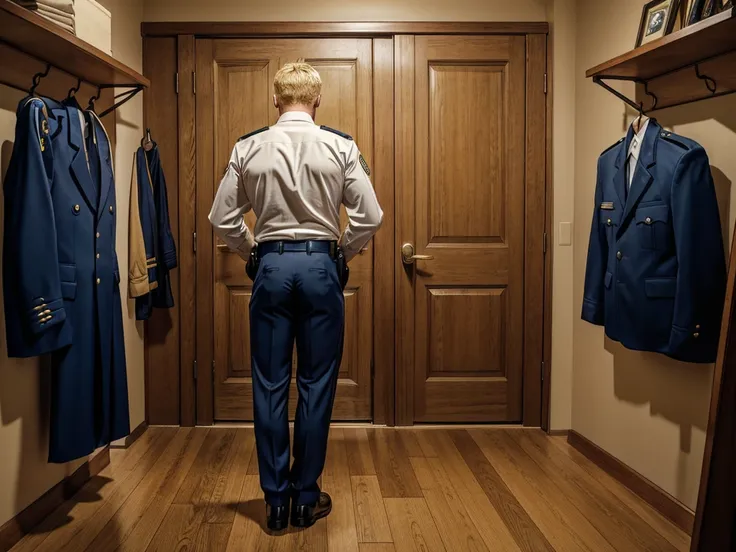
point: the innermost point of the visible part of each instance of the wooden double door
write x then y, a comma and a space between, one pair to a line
459, 150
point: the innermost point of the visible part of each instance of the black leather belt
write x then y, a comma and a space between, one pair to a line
304, 246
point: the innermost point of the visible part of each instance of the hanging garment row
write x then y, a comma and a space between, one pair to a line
61, 275
152, 251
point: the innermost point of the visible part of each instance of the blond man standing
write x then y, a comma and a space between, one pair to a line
295, 176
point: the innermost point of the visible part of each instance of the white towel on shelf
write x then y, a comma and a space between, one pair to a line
65, 26
65, 20
65, 6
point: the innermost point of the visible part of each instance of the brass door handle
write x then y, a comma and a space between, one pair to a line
408, 257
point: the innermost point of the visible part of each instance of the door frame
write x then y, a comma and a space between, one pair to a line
390, 61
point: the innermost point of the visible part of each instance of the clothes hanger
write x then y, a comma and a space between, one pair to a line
640, 120
147, 141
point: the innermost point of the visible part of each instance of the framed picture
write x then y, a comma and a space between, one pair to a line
657, 20
692, 11
710, 8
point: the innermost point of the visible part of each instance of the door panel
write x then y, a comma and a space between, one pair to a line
242, 77
469, 216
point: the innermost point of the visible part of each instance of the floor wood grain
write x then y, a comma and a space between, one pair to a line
393, 490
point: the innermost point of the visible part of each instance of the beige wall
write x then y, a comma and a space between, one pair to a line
647, 410
24, 396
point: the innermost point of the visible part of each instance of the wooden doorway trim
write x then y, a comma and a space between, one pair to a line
372, 29
390, 59
201, 313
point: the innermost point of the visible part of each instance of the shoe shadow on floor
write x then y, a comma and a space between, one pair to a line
255, 510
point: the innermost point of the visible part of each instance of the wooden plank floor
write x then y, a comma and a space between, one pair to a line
394, 490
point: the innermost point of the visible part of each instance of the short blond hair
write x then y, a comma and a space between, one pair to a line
297, 83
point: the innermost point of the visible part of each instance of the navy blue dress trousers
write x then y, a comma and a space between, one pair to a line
656, 270
60, 271
296, 296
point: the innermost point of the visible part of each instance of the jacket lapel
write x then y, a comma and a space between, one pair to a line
619, 178
79, 166
642, 177
103, 150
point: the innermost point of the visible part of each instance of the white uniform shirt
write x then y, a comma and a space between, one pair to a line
634, 150
295, 176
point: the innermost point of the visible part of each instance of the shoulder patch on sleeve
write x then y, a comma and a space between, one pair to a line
609, 148
677, 140
328, 129
264, 129
364, 164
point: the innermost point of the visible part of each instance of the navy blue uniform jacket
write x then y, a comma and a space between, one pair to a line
60, 272
656, 273
159, 247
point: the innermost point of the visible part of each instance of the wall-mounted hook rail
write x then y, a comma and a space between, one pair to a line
637, 106
710, 83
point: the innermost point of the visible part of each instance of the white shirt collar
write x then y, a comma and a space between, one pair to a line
638, 139
291, 116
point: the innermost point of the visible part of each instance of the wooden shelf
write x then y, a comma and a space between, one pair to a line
692, 64
31, 34
701, 41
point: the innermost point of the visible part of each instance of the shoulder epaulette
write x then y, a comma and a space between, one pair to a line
264, 129
328, 129
609, 148
675, 139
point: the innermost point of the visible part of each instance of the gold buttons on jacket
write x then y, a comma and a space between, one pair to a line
98, 255
696, 335
609, 222
76, 208
619, 255
98, 234
697, 326
111, 209
98, 281
648, 220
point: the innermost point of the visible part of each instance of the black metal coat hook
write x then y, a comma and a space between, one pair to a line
37, 79
655, 100
73, 91
710, 83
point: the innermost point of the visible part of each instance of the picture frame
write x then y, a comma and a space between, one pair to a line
710, 8
657, 20
692, 11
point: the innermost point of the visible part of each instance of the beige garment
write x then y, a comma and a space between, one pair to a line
295, 176
63, 26
66, 22
66, 6
138, 264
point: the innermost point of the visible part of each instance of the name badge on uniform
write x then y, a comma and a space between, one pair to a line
607, 206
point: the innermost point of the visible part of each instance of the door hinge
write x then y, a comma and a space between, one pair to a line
176, 82
194, 83
542, 370
545, 83
544, 246
194, 242
195, 369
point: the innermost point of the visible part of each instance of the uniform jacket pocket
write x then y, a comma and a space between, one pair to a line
68, 280
652, 224
660, 288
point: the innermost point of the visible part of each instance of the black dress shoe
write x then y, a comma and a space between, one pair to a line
306, 515
277, 517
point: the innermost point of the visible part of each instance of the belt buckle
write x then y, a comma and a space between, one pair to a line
333, 249
281, 248
309, 247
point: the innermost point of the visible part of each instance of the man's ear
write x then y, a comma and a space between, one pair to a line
318, 101
275, 101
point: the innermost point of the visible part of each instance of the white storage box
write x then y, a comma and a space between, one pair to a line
94, 24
